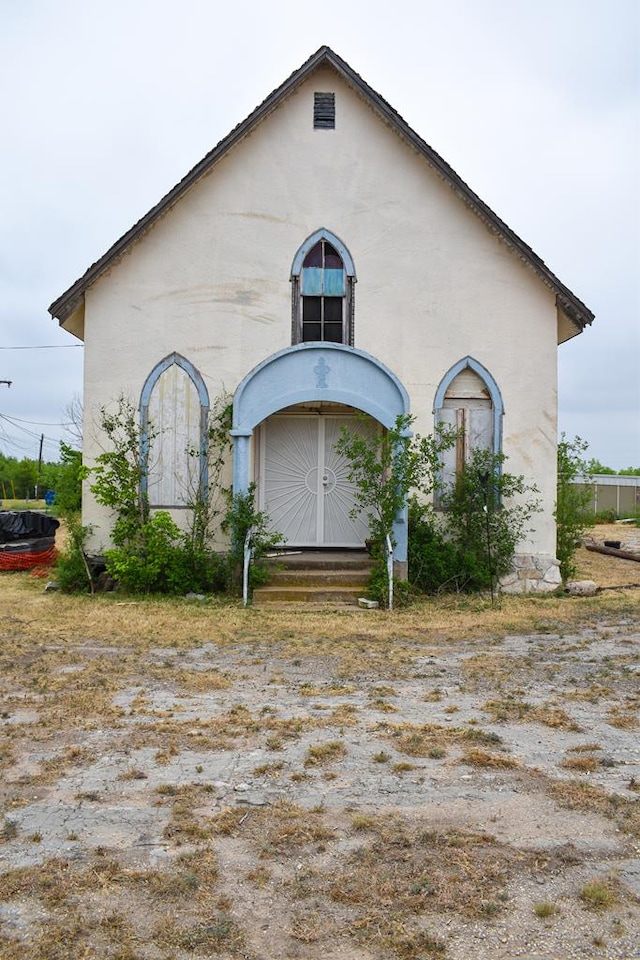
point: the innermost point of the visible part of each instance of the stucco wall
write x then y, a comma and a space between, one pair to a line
211, 279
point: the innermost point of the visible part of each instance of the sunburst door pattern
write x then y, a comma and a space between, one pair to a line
338, 491
291, 477
306, 491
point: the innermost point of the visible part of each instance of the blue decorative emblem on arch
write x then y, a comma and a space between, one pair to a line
491, 385
310, 242
203, 397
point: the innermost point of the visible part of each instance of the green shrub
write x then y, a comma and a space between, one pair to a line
572, 502
151, 562
72, 573
68, 488
163, 560
243, 519
487, 513
378, 584
602, 516
150, 554
434, 564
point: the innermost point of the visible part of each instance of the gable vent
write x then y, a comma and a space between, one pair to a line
324, 111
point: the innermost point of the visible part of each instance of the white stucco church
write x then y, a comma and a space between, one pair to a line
321, 261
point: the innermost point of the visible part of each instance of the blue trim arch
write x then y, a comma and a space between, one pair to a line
323, 234
492, 387
203, 395
310, 372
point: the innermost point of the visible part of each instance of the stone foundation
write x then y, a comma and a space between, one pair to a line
532, 573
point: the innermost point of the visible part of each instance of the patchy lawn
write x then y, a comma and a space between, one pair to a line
189, 780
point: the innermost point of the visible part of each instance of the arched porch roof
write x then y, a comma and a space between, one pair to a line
318, 371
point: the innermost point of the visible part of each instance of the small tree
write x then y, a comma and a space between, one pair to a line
150, 552
572, 502
147, 555
385, 468
209, 503
68, 484
72, 570
73, 573
73, 415
120, 471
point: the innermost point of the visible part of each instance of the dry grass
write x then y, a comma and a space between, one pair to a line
582, 764
511, 707
433, 741
544, 910
47, 627
600, 894
624, 717
83, 666
475, 757
588, 797
403, 869
399, 875
326, 752
88, 907
607, 571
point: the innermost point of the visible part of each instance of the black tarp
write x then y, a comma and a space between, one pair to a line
26, 525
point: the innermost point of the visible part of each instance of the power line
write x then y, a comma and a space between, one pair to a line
35, 423
16, 426
48, 346
25, 446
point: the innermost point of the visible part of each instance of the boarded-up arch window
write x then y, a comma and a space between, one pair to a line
174, 409
468, 399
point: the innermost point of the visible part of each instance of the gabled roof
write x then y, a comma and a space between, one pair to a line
568, 304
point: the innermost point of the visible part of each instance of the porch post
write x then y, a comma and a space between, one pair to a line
241, 440
400, 535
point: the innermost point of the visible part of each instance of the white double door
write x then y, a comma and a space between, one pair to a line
304, 484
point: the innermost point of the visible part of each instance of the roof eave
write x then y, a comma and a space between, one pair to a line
572, 306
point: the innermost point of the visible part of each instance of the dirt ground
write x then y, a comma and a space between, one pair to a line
191, 780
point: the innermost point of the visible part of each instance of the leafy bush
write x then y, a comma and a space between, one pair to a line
572, 502
68, 485
602, 516
72, 573
484, 514
150, 553
434, 564
152, 562
486, 517
386, 466
242, 520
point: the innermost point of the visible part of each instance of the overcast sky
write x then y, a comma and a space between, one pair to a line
107, 103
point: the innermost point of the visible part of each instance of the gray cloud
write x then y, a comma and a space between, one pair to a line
535, 105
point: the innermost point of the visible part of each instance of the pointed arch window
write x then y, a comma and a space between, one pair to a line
469, 400
322, 279
174, 409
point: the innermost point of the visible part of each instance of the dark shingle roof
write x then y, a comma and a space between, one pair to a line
575, 309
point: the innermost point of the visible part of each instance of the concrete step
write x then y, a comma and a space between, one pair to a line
319, 577
316, 577
303, 594
321, 560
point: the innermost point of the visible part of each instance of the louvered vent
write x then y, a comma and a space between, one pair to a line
324, 111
